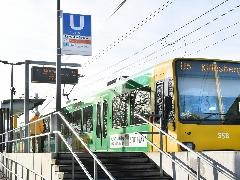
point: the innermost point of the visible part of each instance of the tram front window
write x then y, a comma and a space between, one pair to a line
209, 95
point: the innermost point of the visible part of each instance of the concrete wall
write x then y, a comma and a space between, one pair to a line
40, 162
228, 160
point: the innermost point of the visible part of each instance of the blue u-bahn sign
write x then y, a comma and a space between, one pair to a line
77, 38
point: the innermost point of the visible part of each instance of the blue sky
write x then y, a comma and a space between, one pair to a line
28, 31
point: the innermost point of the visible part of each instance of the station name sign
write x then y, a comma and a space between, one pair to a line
48, 75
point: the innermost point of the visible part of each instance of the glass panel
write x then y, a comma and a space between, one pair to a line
209, 91
98, 130
105, 116
140, 104
88, 119
120, 109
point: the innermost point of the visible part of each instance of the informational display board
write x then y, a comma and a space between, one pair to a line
127, 140
77, 37
48, 75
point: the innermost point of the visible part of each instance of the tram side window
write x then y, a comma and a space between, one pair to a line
120, 111
105, 114
98, 130
140, 104
77, 120
88, 119
67, 115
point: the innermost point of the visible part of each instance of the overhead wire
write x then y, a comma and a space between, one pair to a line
182, 37
192, 42
166, 36
178, 40
131, 31
119, 6
215, 43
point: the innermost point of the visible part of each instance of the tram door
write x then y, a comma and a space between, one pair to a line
163, 109
101, 128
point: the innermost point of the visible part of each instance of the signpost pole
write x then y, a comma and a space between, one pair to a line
26, 106
58, 64
58, 71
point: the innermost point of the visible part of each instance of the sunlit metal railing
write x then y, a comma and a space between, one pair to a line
188, 169
54, 119
6, 169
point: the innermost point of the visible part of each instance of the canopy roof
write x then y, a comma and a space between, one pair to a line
18, 104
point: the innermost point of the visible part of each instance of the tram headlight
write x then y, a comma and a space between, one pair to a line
190, 145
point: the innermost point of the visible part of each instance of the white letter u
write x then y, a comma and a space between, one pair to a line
75, 27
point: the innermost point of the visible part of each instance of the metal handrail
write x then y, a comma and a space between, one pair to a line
18, 176
74, 155
65, 142
86, 147
169, 156
22, 166
224, 172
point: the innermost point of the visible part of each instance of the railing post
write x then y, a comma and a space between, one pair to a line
51, 129
54, 127
198, 169
95, 169
49, 139
2, 144
3, 164
11, 168
161, 147
35, 138
16, 172
20, 139
73, 168
22, 171
6, 140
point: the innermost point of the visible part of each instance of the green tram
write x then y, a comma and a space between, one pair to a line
197, 100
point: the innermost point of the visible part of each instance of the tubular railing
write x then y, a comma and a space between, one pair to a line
54, 130
200, 157
5, 168
96, 160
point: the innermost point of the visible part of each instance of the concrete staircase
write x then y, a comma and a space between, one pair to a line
123, 166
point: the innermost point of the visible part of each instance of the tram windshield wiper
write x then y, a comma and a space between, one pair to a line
212, 114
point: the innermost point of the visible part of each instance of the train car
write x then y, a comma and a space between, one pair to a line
196, 99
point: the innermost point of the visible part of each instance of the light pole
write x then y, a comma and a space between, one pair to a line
12, 89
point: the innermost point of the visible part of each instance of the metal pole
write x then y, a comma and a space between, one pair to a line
58, 73
1, 130
4, 129
7, 135
95, 170
26, 106
161, 146
58, 64
11, 110
198, 168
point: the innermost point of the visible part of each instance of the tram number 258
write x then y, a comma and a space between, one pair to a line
223, 135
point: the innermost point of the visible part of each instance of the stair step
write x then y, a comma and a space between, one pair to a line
100, 155
110, 167
125, 178
122, 166
118, 174
106, 160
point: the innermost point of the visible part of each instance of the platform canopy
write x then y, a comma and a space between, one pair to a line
18, 104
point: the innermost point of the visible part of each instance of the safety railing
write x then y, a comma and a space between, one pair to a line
53, 129
200, 158
95, 159
7, 165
